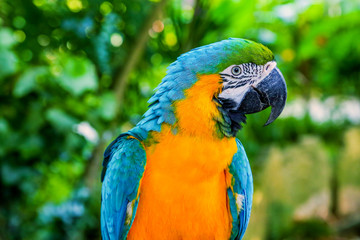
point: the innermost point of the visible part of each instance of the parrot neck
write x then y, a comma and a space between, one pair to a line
198, 114
194, 111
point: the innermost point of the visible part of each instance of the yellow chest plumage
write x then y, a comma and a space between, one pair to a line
183, 191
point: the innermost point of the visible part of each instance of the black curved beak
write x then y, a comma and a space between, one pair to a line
271, 91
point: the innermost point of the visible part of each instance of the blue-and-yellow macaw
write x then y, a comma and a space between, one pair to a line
180, 173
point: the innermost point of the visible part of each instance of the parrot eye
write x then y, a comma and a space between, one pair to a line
236, 70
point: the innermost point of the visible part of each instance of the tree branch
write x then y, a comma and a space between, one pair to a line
121, 80
122, 77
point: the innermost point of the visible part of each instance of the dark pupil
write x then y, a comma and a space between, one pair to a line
236, 70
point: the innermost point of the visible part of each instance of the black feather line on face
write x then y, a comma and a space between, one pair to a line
234, 85
246, 68
224, 75
228, 83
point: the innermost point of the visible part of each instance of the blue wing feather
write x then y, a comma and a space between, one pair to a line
242, 184
124, 165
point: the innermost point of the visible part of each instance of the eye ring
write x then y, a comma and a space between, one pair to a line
236, 71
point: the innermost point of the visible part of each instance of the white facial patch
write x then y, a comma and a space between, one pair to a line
235, 93
237, 79
246, 73
268, 67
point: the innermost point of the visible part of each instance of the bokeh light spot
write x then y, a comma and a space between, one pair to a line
56, 70
69, 45
170, 39
26, 55
116, 39
43, 40
50, 56
156, 59
74, 5
106, 8
57, 34
122, 8
19, 22
152, 33
158, 26
20, 36
39, 3
288, 55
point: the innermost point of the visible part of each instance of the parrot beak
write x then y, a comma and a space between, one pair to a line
271, 91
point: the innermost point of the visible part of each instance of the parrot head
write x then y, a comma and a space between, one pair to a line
247, 79
250, 88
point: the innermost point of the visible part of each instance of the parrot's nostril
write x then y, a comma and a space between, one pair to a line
269, 66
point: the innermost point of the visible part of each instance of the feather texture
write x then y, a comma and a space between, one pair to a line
124, 166
242, 184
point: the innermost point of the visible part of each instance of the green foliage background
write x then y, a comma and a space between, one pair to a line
76, 73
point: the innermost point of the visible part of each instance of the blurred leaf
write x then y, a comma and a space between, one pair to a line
28, 80
8, 62
4, 126
31, 146
60, 120
13, 175
108, 106
7, 39
78, 75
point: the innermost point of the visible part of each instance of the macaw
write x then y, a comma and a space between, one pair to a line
180, 173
